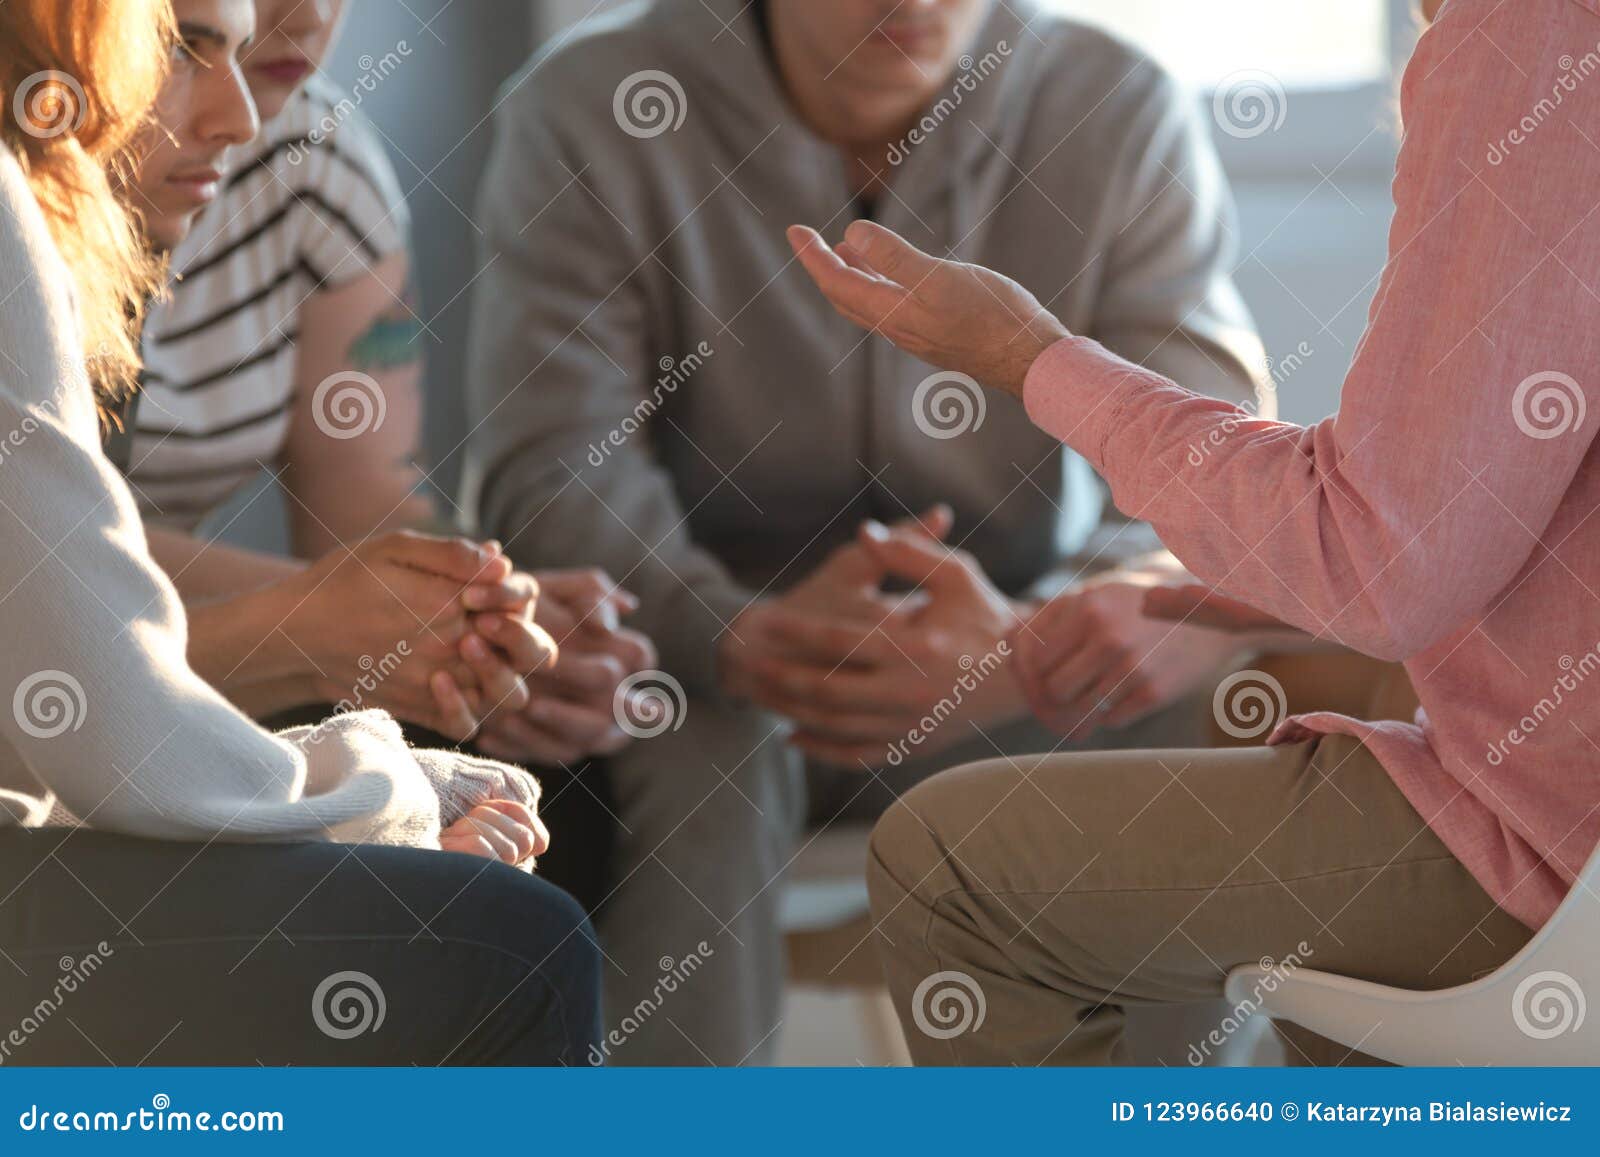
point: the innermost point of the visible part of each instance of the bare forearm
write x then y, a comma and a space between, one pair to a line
204, 571
240, 645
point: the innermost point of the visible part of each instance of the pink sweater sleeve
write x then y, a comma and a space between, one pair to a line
1463, 419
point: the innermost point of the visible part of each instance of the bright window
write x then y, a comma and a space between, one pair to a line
1320, 45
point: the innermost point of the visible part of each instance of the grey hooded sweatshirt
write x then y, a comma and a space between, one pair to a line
656, 387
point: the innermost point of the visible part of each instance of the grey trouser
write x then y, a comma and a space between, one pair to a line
1054, 891
710, 817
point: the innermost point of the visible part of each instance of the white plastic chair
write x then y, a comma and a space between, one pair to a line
1532, 1011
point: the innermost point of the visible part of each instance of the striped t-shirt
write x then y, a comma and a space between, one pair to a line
314, 203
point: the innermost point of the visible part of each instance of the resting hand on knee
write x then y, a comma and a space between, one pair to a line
500, 829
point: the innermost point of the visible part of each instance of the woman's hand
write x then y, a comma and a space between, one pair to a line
952, 315
387, 622
500, 829
572, 712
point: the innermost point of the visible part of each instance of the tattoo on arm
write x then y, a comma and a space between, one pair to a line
391, 340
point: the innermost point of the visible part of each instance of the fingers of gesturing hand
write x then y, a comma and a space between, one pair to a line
861, 295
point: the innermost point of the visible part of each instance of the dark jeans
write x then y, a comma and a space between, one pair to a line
127, 951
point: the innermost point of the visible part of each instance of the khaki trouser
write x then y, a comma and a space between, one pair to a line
1054, 890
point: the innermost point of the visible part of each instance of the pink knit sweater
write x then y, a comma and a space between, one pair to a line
1446, 516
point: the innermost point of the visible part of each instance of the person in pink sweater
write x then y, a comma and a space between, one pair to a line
1444, 517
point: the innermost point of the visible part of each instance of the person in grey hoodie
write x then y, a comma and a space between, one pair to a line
655, 389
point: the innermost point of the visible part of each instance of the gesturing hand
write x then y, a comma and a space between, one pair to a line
953, 315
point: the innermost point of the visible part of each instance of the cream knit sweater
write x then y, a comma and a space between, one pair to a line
100, 714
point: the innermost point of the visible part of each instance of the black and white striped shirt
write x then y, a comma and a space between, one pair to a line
314, 204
